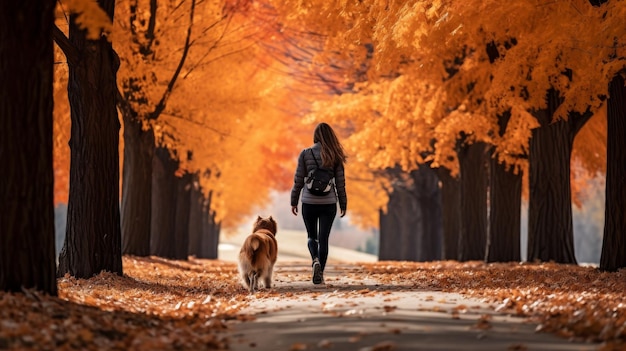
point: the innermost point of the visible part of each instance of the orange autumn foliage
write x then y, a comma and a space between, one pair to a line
408, 90
61, 130
433, 76
234, 123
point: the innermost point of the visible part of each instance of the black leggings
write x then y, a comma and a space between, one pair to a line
318, 240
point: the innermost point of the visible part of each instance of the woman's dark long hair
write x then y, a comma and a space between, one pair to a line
332, 150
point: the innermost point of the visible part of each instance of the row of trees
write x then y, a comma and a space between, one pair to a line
426, 92
191, 157
189, 126
470, 89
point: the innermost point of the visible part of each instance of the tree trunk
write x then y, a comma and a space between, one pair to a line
451, 214
93, 233
505, 193
211, 234
27, 257
474, 180
136, 186
183, 208
210, 231
164, 191
550, 231
195, 218
399, 226
614, 242
411, 229
429, 203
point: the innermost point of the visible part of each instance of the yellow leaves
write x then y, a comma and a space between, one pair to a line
515, 141
91, 17
590, 144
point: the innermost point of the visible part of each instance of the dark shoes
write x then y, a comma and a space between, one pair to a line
318, 277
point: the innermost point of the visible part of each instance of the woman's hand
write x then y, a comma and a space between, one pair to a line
342, 213
294, 210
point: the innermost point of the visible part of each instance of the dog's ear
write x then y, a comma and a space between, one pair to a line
274, 224
258, 218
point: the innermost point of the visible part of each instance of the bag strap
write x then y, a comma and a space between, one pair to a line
314, 159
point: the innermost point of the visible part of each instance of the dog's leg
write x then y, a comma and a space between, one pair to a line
253, 282
245, 280
247, 283
268, 278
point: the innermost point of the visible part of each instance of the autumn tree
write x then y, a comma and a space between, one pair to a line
201, 117
137, 110
505, 195
406, 114
27, 216
151, 71
92, 239
411, 228
505, 191
436, 39
201, 243
613, 245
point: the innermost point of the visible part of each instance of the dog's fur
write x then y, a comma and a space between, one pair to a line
258, 254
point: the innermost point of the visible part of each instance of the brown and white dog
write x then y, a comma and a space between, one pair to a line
258, 254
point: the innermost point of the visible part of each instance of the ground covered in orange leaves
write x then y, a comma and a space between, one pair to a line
163, 304
157, 304
572, 301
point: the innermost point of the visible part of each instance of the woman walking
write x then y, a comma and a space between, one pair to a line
319, 206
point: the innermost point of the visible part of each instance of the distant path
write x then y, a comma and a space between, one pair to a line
292, 246
353, 312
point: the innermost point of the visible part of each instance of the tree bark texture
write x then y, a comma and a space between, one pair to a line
550, 230
505, 194
183, 208
164, 191
211, 234
204, 230
428, 196
195, 218
136, 186
399, 226
451, 214
27, 253
474, 179
93, 232
411, 229
614, 242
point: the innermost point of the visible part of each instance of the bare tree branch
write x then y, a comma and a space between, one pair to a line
64, 43
170, 86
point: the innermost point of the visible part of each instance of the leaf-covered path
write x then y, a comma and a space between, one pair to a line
198, 304
356, 311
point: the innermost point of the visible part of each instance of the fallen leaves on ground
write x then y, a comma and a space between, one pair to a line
166, 304
569, 300
157, 304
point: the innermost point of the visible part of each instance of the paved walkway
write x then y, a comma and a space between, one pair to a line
292, 246
363, 315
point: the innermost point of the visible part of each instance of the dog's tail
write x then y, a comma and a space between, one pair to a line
253, 243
